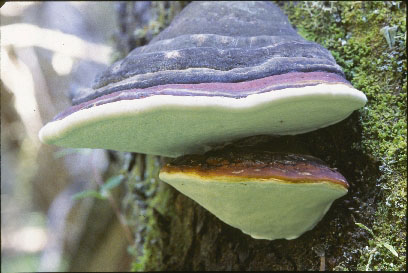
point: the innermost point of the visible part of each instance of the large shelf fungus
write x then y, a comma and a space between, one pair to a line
268, 195
219, 72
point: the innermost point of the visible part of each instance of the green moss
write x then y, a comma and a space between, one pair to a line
142, 182
155, 225
352, 32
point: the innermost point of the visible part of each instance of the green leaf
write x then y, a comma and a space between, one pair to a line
390, 248
112, 182
88, 193
389, 34
367, 268
366, 228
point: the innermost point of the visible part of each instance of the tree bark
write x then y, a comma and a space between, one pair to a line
174, 233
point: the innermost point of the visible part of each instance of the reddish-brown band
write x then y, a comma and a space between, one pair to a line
233, 90
256, 164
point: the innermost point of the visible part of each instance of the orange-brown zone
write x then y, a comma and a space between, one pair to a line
245, 163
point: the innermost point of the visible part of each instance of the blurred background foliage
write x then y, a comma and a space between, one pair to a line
61, 208
48, 50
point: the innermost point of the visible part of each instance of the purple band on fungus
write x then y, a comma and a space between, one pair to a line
232, 90
290, 168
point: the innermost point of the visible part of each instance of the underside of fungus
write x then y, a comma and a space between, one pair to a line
219, 72
171, 124
268, 195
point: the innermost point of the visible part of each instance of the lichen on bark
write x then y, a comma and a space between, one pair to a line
355, 32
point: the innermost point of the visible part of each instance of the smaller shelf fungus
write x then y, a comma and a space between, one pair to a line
221, 71
268, 195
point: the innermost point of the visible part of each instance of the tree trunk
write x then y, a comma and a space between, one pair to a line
175, 233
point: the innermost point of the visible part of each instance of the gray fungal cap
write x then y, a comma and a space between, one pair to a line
221, 71
217, 42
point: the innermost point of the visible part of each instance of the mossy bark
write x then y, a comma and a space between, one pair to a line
369, 148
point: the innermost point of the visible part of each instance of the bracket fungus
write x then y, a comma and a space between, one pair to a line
221, 71
268, 195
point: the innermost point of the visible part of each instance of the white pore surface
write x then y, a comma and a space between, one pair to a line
268, 209
176, 125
